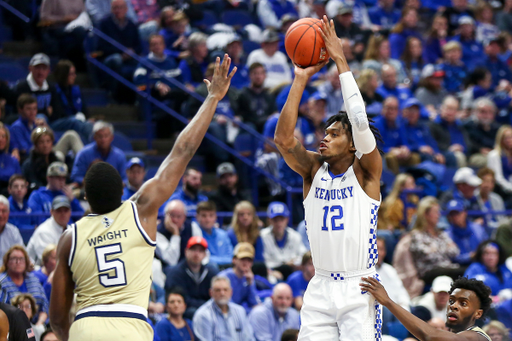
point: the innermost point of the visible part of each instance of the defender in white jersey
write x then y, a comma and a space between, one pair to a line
341, 200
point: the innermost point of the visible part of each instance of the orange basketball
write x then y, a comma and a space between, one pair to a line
304, 44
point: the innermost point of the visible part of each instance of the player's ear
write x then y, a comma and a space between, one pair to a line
352, 147
478, 314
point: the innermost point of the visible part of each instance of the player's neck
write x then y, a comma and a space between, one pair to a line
340, 166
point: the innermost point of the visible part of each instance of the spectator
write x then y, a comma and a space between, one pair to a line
219, 317
148, 13
368, 82
504, 313
18, 203
9, 163
378, 54
192, 276
485, 27
175, 30
489, 266
235, 50
504, 17
49, 335
274, 316
41, 156
430, 90
37, 85
99, 150
27, 304
436, 300
472, 51
71, 101
385, 15
413, 60
245, 228
99, 9
346, 27
242, 277
436, 39
228, 195
219, 245
478, 84
504, 235
189, 192
465, 234
9, 234
447, 131
455, 71
331, 88
255, 103
394, 136
499, 161
290, 335
298, 281
459, 9
499, 69
174, 232
49, 231
483, 131
489, 201
135, 174
275, 62
311, 125
121, 29
393, 215
17, 279
390, 87
466, 183
193, 67
405, 28
496, 331
48, 263
175, 327
431, 248
353, 62
282, 246
41, 199
271, 12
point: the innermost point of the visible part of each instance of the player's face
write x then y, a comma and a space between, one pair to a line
463, 310
62, 215
176, 305
336, 141
4, 214
245, 217
18, 189
207, 219
17, 262
221, 292
195, 254
135, 175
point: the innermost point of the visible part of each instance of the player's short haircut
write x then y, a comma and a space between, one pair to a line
176, 291
218, 278
342, 117
255, 65
15, 177
103, 188
206, 206
482, 291
25, 99
306, 258
290, 335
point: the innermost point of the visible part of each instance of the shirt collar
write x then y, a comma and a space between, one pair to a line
151, 56
33, 85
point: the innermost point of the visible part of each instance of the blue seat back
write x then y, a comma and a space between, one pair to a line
12, 72
250, 46
122, 142
237, 18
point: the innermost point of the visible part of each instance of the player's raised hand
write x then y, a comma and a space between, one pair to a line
221, 80
331, 40
376, 289
309, 71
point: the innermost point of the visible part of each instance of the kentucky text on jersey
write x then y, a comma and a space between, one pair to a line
333, 194
108, 236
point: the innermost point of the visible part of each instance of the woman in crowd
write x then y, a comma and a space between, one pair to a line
368, 82
394, 212
489, 267
9, 163
27, 303
478, 84
175, 327
245, 228
413, 60
496, 331
500, 161
49, 262
433, 51
431, 248
378, 54
485, 27
405, 28
17, 279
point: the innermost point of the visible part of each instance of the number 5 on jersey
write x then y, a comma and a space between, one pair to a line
104, 265
336, 213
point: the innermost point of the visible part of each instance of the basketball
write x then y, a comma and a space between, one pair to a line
304, 44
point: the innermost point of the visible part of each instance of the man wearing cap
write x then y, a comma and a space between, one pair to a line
282, 246
37, 85
189, 193
227, 195
472, 51
431, 91
192, 276
436, 300
242, 277
135, 174
270, 12
465, 234
345, 23
235, 50
41, 199
458, 9
499, 69
99, 150
49, 232
275, 62
466, 182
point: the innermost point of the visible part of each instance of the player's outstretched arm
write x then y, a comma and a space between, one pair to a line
62, 289
4, 326
368, 164
157, 190
419, 328
294, 153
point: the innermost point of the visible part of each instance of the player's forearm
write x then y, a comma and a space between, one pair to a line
413, 324
342, 65
288, 119
60, 329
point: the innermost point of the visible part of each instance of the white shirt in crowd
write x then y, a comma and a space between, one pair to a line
278, 69
394, 286
170, 248
427, 300
275, 256
47, 233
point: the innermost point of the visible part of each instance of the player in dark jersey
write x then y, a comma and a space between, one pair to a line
469, 301
19, 327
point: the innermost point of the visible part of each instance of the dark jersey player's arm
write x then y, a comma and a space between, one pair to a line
19, 328
158, 190
4, 326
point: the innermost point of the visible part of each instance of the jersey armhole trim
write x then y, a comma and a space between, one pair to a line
139, 226
73, 245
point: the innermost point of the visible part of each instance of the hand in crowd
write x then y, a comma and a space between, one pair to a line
427, 150
163, 89
439, 158
249, 276
68, 192
221, 119
16, 154
456, 148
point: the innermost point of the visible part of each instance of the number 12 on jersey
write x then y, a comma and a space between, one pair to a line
336, 218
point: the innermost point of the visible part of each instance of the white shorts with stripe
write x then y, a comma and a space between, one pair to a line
335, 308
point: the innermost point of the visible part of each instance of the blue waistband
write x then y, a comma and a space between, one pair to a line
122, 314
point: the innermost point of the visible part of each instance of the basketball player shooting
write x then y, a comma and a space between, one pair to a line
341, 199
106, 257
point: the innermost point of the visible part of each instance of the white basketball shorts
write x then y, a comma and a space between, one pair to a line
335, 308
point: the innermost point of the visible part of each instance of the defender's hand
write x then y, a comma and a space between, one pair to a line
376, 289
221, 80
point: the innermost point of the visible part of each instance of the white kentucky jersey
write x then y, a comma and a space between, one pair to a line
341, 222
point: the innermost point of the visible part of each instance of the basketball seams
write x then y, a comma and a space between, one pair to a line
314, 46
298, 52
298, 42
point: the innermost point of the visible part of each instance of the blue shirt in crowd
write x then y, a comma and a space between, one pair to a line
168, 332
219, 245
402, 93
244, 294
298, 284
499, 70
41, 199
90, 153
393, 136
467, 239
30, 285
190, 203
473, 54
454, 76
385, 19
418, 135
397, 42
8, 166
496, 284
268, 324
258, 245
168, 68
20, 135
22, 223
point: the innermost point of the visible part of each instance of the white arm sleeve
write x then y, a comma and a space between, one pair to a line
364, 140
